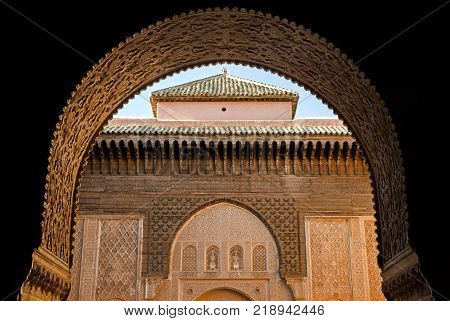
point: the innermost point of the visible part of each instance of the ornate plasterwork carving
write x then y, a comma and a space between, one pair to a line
151, 286
189, 258
259, 258
234, 233
107, 258
330, 259
342, 260
118, 260
210, 36
168, 214
76, 265
212, 259
299, 287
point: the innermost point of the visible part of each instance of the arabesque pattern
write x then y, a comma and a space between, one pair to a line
76, 265
330, 260
118, 260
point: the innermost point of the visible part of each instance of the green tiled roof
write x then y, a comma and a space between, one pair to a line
224, 87
227, 130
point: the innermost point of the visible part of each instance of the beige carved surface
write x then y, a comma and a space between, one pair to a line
257, 290
236, 234
259, 258
189, 258
106, 259
217, 36
330, 265
169, 213
359, 276
89, 259
118, 260
223, 295
76, 265
342, 259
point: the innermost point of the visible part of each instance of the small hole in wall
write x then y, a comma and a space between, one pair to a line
224, 109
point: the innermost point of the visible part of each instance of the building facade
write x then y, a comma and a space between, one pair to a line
224, 196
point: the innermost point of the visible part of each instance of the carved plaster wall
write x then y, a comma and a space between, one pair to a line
227, 227
342, 259
107, 259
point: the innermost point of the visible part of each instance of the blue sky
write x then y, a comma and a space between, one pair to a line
309, 106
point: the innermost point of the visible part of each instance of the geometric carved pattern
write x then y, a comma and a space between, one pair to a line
189, 258
118, 260
259, 258
212, 258
236, 258
76, 266
281, 214
372, 264
358, 260
167, 214
330, 259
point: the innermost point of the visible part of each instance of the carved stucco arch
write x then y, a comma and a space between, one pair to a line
218, 201
245, 295
199, 38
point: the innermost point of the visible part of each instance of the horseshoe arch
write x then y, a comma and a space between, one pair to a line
214, 36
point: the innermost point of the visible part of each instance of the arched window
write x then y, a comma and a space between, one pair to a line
189, 258
259, 258
212, 258
236, 258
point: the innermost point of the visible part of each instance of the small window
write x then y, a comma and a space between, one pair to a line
236, 258
189, 258
259, 258
212, 258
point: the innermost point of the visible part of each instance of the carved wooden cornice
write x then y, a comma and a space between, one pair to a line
155, 155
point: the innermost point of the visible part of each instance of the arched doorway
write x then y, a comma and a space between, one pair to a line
239, 36
223, 295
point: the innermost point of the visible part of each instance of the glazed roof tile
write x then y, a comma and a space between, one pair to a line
226, 87
294, 128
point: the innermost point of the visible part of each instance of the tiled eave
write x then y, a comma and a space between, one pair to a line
227, 130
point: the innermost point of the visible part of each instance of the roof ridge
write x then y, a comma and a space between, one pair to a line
223, 86
261, 84
226, 75
186, 83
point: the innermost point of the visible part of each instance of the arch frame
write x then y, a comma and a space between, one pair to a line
214, 36
218, 201
226, 288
